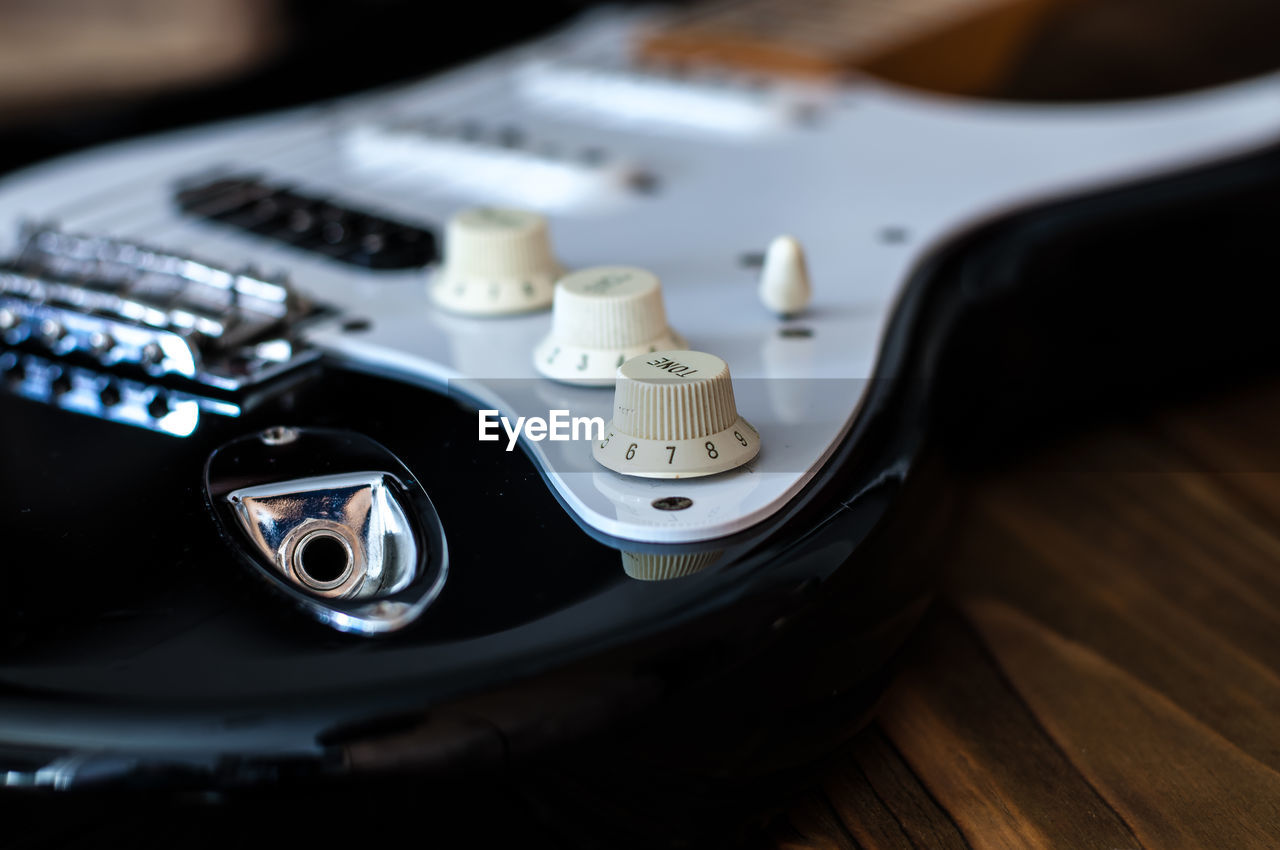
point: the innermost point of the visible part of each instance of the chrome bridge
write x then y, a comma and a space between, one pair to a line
123, 304
137, 403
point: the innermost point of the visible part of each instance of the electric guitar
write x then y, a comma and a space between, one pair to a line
575, 404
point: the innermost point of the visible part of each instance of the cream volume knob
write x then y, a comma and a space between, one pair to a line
496, 261
674, 416
601, 318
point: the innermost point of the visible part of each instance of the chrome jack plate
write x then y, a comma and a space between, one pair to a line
333, 521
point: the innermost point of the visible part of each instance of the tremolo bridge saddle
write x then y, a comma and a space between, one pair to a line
123, 304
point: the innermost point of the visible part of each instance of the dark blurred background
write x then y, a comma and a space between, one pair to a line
79, 72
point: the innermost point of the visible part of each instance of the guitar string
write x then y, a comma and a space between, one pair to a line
135, 201
310, 173
401, 186
318, 164
420, 99
127, 187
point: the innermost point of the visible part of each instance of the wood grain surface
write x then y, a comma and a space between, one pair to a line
1103, 667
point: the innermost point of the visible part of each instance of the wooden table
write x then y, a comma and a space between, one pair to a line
1102, 669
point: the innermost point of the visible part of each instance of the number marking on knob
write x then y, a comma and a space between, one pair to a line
601, 317
675, 417
497, 261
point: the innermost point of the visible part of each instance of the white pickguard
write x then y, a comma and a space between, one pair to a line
734, 170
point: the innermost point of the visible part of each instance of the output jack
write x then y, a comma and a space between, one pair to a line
323, 560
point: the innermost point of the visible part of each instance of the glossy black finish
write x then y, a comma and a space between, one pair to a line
132, 598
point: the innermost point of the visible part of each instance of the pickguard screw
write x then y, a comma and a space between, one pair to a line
279, 435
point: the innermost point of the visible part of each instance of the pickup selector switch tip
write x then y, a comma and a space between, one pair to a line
784, 280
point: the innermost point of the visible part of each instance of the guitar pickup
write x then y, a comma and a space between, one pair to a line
313, 224
495, 165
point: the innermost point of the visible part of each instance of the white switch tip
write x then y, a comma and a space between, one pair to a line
784, 280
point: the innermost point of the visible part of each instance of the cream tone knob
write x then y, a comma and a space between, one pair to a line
602, 317
674, 416
496, 261
784, 280
650, 566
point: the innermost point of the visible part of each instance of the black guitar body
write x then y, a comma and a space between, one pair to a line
140, 656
